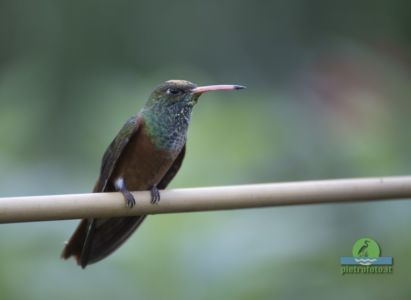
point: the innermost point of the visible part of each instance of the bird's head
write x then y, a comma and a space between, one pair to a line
182, 93
167, 112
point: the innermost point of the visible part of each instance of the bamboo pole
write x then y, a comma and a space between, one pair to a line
75, 206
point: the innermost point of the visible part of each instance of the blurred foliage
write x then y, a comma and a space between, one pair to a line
328, 97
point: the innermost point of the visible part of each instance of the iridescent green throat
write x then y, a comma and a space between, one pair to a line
167, 124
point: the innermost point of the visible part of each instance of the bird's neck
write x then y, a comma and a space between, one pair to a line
167, 126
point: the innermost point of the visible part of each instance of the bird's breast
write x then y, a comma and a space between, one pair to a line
142, 164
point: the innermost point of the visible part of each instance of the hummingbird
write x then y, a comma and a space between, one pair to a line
145, 155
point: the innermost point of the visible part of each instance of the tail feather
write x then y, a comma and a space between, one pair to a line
107, 236
75, 245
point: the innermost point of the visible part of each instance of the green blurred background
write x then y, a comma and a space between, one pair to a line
328, 97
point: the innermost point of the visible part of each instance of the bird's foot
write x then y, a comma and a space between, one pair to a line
155, 195
128, 196
130, 201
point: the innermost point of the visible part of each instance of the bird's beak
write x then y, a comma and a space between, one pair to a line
219, 87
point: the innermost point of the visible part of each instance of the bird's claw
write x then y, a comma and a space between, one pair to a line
121, 186
130, 201
155, 195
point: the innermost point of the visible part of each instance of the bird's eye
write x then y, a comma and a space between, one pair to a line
172, 91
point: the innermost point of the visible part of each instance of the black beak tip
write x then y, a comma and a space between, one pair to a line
239, 87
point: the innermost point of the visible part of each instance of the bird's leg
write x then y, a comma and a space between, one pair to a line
121, 186
155, 195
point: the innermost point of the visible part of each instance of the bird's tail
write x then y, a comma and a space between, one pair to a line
75, 245
89, 244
